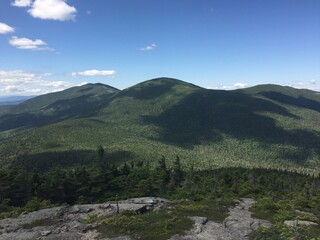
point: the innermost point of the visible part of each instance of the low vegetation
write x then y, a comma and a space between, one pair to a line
161, 225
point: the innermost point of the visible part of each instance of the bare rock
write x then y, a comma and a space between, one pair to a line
293, 223
19, 236
74, 209
256, 223
305, 213
238, 225
45, 233
65, 223
24, 213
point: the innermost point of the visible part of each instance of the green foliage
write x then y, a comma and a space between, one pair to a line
101, 153
128, 212
265, 208
161, 225
42, 222
263, 233
285, 233
91, 218
35, 204
215, 210
282, 208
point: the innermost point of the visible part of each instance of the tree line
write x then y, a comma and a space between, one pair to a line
100, 182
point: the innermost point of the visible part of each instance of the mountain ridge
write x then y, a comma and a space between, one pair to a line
54, 107
163, 116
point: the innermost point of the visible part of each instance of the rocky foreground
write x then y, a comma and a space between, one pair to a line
238, 225
66, 223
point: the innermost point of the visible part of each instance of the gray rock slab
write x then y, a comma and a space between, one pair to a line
66, 223
292, 223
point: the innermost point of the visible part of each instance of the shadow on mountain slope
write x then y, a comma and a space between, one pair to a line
207, 114
298, 102
78, 107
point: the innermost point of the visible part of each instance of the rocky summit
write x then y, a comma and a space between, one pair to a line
66, 223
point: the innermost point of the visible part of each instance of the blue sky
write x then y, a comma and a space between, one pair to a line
49, 45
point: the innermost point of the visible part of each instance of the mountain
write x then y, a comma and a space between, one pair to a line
265, 126
7, 103
74, 102
287, 95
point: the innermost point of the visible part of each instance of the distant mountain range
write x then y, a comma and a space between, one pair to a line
13, 100
265, 126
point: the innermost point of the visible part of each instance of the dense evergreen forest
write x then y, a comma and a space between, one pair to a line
279, 194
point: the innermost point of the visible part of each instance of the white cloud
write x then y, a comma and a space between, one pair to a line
149, 47
4, 28
90, 73
311, 85
18, 82
21, 3
52, 10
16, 77
240, 85
26, 43
230, 87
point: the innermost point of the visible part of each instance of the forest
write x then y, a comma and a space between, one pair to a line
279, 194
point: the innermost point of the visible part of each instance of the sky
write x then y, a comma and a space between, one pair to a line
50, 45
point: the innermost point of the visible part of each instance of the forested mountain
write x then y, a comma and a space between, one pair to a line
266, 126
74, 102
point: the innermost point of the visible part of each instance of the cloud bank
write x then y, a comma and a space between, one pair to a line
18, 82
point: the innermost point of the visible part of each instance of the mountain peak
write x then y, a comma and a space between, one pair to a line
157, 87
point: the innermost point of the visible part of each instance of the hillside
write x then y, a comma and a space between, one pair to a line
265, 126
49, 108
297, 97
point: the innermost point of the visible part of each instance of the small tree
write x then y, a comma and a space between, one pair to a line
177, 169
101, 153
161, 176
162, 164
